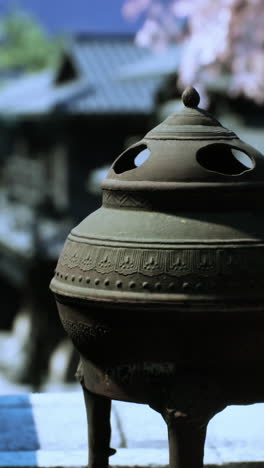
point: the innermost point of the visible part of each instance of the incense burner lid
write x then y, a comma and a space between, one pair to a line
187, 152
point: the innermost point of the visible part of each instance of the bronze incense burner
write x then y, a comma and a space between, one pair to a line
162, 289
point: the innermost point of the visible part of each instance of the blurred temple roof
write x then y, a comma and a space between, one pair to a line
87, 81
73, 17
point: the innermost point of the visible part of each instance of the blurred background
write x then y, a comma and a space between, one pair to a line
80, 82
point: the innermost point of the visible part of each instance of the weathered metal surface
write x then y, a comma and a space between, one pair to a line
161, 289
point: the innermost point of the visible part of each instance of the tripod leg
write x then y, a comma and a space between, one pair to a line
186, 444
98, 410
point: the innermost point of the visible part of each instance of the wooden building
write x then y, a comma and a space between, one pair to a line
76, 119
65, 127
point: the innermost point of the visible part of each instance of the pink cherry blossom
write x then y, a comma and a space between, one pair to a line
220, 37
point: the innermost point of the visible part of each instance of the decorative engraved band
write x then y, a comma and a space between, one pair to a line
175, 270
183, 196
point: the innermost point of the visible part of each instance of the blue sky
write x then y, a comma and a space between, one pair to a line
78, 16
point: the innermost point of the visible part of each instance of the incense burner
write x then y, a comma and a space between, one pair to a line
162, 289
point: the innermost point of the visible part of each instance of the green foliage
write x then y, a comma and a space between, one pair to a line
24, 44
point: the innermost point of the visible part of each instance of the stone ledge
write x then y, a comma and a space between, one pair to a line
78, 458
125, 458
49, 430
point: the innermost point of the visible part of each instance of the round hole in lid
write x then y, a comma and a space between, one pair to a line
131, 159
224, 159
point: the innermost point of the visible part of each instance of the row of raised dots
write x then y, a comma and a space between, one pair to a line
119, 284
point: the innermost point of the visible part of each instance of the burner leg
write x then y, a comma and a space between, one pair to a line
186, 443
98, 410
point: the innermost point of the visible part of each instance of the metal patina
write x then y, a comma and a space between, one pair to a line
162, 289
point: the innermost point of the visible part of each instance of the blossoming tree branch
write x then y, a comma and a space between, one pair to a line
220, 38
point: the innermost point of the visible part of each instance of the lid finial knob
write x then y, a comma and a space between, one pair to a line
190, 97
